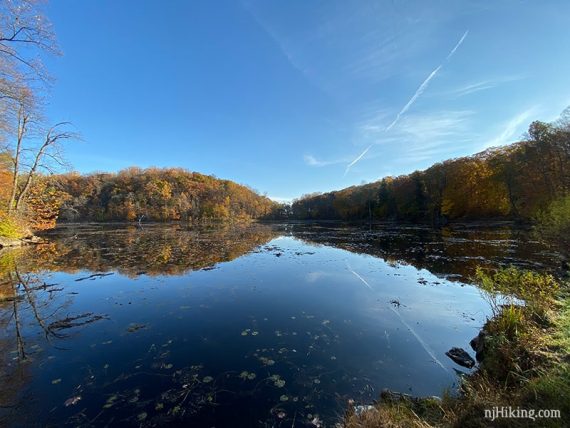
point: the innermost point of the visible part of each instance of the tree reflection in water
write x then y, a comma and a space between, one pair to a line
33, 310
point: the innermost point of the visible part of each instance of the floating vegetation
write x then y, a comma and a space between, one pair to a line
207, 379
245, 375
72, 401
266, 361
56, 381
135, 327
284, 398
277, 381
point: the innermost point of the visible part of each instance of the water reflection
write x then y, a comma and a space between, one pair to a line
118, 325
151, 250
453, 252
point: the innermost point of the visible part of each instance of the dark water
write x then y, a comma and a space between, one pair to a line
264, 325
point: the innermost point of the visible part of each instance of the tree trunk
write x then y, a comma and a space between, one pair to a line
22, 120
31, 174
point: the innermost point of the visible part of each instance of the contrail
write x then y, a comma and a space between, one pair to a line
416, 95
457, 45
357, 159
425, 83
419, 91
358, 276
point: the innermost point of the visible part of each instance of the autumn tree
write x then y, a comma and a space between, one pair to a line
32, 147
516, 181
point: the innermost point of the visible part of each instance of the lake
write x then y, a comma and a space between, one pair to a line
258, 325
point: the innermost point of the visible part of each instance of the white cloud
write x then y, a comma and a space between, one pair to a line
482, 85
281, 199
312, 161
513, 128
426, 136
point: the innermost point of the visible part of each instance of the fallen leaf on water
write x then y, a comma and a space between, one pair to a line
72, 401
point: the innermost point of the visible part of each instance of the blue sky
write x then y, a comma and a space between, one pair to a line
292, 97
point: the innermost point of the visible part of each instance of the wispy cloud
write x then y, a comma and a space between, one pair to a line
512, 127
429, 136
312, 161
482, 85
280, 199
421, 89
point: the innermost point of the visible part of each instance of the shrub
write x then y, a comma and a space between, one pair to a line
554, 222
511, 287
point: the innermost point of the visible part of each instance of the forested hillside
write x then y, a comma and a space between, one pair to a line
518, 181
132, 194
157, 195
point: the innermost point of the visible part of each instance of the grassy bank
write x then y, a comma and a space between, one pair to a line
10, 227
524, 353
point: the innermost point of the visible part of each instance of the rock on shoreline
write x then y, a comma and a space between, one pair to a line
20, 242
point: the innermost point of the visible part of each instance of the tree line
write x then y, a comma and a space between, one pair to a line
171, 194
517, 181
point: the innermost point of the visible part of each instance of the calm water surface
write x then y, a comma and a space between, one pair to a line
264, 325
